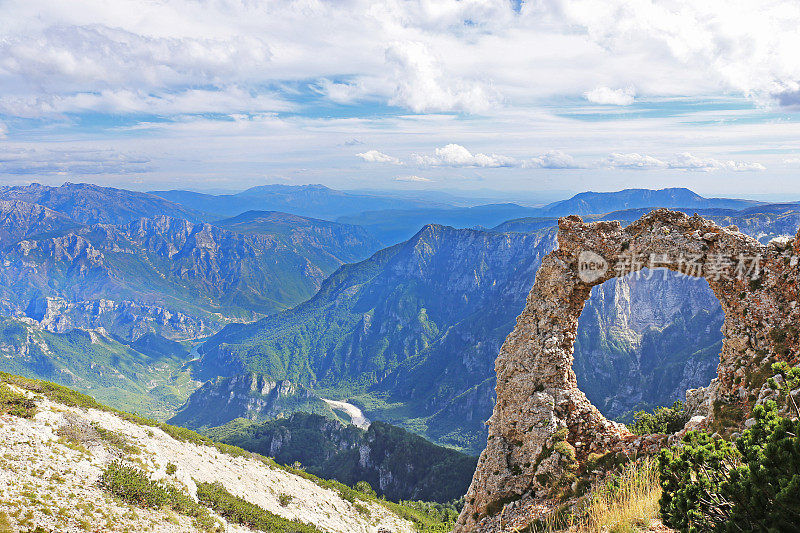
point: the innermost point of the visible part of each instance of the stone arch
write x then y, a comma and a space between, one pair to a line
543, 427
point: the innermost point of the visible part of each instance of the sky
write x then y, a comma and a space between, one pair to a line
548, 95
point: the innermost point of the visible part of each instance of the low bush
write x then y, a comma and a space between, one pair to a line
285, 499
15, 403
710, 484
432, 517
663, 420
240, 511
132, 485
365, 488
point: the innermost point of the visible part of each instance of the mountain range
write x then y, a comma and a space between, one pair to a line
408, 332
410, 335
85, 203
316, 201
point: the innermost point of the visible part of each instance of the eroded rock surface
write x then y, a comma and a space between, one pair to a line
544, 434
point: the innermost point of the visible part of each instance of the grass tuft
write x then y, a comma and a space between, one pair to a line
627, 502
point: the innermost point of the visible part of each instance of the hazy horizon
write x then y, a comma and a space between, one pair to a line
477, 196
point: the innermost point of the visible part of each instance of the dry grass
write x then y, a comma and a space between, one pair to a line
626, 504
5, 525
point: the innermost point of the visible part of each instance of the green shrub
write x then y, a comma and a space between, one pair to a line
432, 517
691, 482
365, 488
663, 420
710, 485
132, 485
765, 490
15, 403
285, 499
240, 511
171, 469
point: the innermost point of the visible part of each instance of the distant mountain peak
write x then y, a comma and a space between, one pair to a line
597, 203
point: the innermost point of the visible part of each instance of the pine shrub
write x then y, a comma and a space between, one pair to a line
710, 484
240, 511
665, 420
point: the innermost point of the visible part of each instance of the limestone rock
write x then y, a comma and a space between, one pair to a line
544, 430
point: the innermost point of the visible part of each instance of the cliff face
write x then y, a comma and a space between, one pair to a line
20, 220
251, 396
173, 277
395, 462
644, 339
125, 319
543, 428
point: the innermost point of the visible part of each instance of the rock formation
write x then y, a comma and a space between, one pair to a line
544, 435
253, 396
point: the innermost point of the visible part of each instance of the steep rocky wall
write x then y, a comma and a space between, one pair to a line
544, 431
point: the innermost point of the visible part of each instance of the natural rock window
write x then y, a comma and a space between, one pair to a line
544, 431
646, 338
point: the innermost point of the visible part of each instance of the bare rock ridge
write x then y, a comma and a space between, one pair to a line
544, 429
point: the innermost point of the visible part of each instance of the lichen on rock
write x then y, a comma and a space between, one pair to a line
539, 405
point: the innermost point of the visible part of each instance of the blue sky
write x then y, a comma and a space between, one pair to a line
467, 95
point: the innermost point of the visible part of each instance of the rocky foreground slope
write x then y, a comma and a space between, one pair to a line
55, 446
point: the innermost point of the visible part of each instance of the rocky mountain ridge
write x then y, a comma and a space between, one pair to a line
200, 271
246, 396
85, 203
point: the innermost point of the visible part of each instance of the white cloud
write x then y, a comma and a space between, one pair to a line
374, 156
3, 130
344, 93
519, 73
634, 161
604, 95
423, 86
740, 45
455, 155
95, 56
70, 163
682, 161
190, 101
418, 179
792, 161
469, 56
555, 159
687, 161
